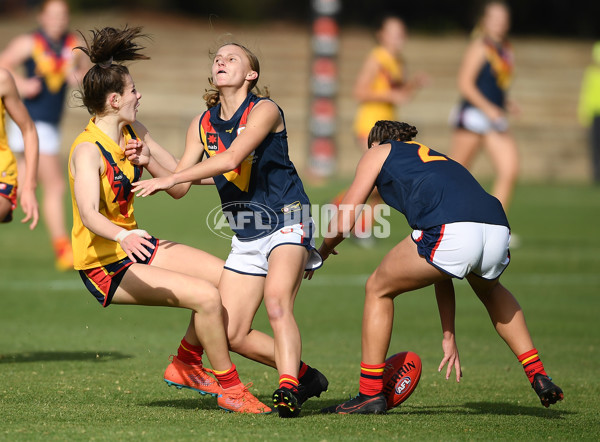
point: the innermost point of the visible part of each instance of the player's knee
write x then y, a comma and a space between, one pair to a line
54, 188
275, 308
236, 339
509, 171
58, 187
209, 301
373, 287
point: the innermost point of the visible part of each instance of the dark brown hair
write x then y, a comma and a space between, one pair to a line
107, 48
212, 96
385, 130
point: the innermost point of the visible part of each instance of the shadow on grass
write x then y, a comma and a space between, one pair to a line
52, 356
477, 408
201, 403
488, 408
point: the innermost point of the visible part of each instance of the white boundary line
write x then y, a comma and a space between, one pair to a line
537, 279
575, 279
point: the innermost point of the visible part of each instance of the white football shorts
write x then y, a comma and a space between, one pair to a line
252, 257
461, 248
48, 135
474, 120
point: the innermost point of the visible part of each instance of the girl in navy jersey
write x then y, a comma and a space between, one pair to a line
460, 231
50, 66
481, 118
244, 139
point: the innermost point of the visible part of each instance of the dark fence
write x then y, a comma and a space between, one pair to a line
574, 18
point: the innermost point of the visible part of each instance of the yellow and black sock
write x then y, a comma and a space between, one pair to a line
190, 354
289, 382
532, 364
371, 379
228, 378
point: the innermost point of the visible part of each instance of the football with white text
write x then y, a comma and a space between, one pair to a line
400, 377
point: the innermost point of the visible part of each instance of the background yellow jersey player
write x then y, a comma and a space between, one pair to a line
381, 85
382, 82
44, 66
11, 103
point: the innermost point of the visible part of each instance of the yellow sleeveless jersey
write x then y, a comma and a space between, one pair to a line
390, 76
116, 200
8, 164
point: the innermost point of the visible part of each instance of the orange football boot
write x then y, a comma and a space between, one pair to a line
239, 399
194, 377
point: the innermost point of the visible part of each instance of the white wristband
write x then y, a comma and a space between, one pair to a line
123, 233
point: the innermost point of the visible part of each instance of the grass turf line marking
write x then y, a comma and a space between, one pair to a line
529, 279
537, 279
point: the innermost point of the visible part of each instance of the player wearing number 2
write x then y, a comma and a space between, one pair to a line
460, 231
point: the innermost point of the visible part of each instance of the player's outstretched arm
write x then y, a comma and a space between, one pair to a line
445, 296
263, 119
18, 112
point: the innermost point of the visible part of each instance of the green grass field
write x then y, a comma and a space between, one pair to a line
70, 370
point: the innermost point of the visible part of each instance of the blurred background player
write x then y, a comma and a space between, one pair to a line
244, 139
381, 86
11, 103
484, 77
589, 109
382, 82
50, 66
121, 264
459, 231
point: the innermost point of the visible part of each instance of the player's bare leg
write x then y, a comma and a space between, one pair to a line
508, 319
241, 296
503, 151
54, 187
286, 268
505, 312
401, 270
464, 146
184, 259
5, 208
154, 286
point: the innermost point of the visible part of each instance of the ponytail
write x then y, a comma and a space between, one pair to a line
108, 47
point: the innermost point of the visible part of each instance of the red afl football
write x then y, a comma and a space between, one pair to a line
400, 377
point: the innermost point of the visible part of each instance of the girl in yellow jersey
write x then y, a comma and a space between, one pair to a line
381, 85
382, 82
122, 264
10, 101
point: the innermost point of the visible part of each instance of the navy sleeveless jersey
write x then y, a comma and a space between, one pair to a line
265, 192
495, 74
431, 189
51, 62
